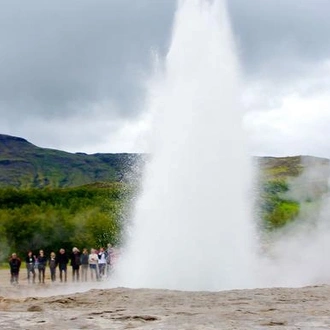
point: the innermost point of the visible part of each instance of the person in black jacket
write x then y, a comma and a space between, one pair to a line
30, 263
75, 263
62, 262
84, 264
15, 264
42, 262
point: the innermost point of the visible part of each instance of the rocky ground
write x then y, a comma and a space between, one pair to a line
65, 306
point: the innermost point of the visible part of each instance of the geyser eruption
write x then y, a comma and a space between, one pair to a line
192, 228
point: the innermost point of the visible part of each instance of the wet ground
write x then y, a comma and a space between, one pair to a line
61, 306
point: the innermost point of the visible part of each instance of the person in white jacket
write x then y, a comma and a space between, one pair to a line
93, 261
102, 262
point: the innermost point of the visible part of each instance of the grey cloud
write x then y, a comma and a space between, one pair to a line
277, 36
53, 54
56, 53
57, 57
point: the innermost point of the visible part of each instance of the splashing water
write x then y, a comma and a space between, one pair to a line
192, 226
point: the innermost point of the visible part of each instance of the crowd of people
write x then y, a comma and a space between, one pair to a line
98, 263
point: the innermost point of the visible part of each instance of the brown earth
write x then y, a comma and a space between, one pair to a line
62, 306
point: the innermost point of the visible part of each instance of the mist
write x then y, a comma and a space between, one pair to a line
297, 254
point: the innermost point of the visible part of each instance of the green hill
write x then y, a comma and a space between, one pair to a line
24, 165
60, 199
284, 167
289, 184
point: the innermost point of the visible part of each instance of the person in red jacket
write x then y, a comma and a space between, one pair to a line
15, 264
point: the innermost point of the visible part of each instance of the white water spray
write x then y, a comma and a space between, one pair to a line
192, 225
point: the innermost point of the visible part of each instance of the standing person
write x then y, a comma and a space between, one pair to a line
84, 264
30, 264
108, 254
62, 262
14, 264
102, 262
93, 260
52, 266
75, 263
42, 262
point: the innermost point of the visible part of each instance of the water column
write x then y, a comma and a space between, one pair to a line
192, 226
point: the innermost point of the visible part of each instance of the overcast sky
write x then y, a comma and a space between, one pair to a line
73, 73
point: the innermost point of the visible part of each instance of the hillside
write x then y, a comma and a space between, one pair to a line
91, 195
284, 167
24, 165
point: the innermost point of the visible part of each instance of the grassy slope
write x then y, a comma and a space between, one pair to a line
24, 165
278, 176
286, 167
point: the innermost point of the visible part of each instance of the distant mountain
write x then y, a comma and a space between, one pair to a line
24, 165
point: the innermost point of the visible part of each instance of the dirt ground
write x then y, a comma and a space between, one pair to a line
93, 305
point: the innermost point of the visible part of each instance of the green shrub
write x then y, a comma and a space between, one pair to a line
275, 208
87, 216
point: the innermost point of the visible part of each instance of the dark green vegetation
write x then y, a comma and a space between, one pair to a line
51, 199
86, 216
277, 205
276, 209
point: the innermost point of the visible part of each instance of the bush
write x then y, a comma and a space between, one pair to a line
276, 209
49, 219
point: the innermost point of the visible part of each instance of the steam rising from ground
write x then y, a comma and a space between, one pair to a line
192, 226
299, 253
